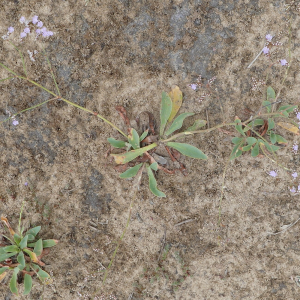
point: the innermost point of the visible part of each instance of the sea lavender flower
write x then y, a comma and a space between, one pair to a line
193, 86
10, 29
46, 34
295, 148
35, 19
15, 122
283, 62
40, 24
269, 37
266, 50
273, 173
298, 115
26, 30
22, 20
295, 175
23, 34
293, 190
26, 183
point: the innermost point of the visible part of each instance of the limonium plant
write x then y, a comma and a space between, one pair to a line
21, 254
257, 135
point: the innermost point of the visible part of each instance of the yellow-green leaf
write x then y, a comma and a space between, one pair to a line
123, 158
165, 111
270, 93
32, 256
17, 238
177, 124
11, 248
21, 259
34, 231
134, 139
176, 97
42, 274
144, 135
255, 150
23, 242
7, 255
197, 124
38, 248
27, 284
131, 172
188, 150
116, 143
3, 269
154, 166
238, 126
13, 281
49, 243
153, 184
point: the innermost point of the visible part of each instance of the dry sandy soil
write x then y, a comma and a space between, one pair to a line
122, 52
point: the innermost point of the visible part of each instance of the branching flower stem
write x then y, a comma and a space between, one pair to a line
61, 98
175, 136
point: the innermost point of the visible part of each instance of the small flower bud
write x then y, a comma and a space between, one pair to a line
22, 20
23, 34
27, 30
34, 19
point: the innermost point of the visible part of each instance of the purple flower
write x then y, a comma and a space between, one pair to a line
26, 30
38, 31
15, 122
295, 148
298, 188
298, 115
40, 24
293, 190
295, 175
46, 34
22, 20
269, 37
35, 19
265, 50
23, 34
273, 173
193, 86
44, 29
283, 62
26, 183
50, 33
10, 29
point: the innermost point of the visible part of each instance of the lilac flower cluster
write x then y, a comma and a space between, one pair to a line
10, 30
13, 117
294, 190
41, 29
273, 173
266, 49
298, 116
